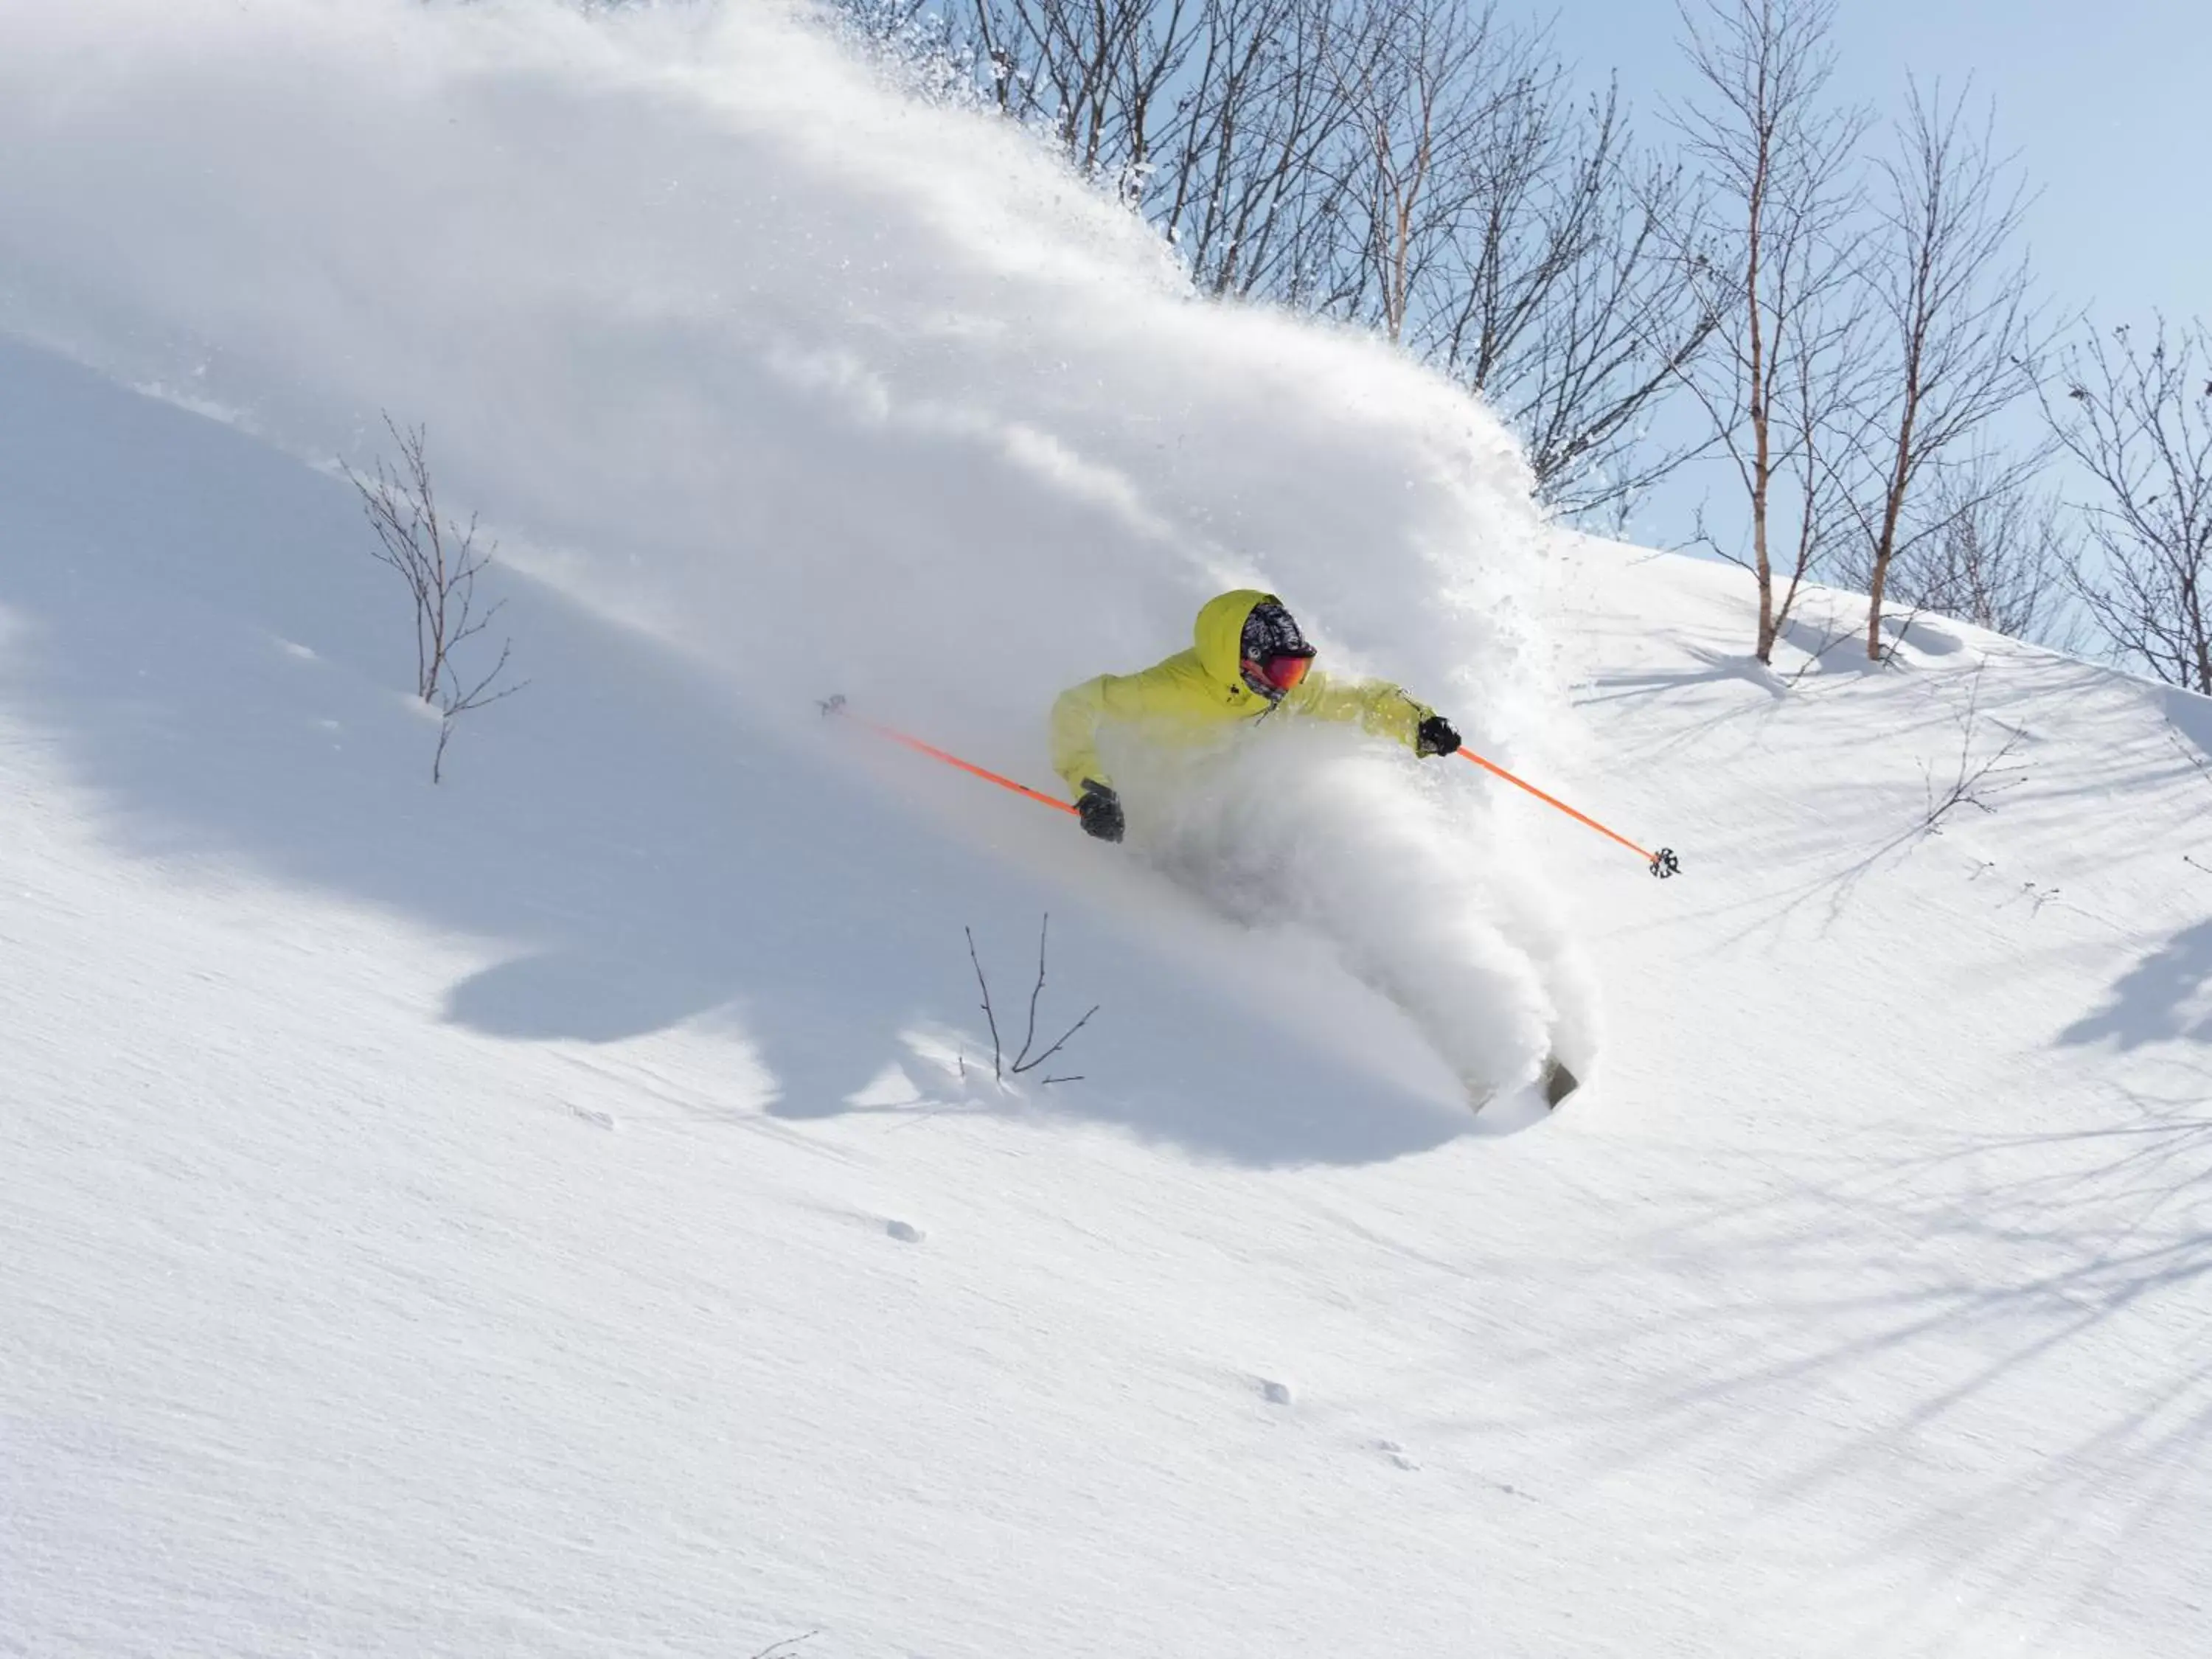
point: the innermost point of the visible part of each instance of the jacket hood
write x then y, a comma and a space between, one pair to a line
1219, 634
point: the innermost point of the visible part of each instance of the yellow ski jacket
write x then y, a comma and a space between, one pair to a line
1198, 692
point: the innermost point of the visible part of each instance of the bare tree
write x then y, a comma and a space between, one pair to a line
1782, 391
1413, 166
1251, 186
2140, 424
440, 560
1951, 297
1429, 77
1508, 235
1229, 124
1567, 308
1096, 70
1998, 555
1460, 200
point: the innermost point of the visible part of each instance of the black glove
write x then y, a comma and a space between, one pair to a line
1436, 737
1100, 809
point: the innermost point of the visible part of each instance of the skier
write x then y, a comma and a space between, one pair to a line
1248, 660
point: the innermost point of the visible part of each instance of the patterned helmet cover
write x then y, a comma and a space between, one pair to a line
1270, 631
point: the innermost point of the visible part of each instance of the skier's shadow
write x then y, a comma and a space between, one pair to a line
202, 629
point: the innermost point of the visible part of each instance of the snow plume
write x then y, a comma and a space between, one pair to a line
1397, 867
830, 388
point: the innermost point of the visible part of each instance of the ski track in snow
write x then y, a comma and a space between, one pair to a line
568, 1211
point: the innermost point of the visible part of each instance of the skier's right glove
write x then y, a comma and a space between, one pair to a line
1436, 737
1100, 809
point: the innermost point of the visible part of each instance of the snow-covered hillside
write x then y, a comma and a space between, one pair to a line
562, 1211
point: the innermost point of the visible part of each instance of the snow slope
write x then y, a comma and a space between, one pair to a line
546, 1213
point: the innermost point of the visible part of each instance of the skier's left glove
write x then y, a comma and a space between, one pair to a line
1435, 737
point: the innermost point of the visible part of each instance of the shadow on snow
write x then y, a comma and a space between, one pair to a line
2159, 1000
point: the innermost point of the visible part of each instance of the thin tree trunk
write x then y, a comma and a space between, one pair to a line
1892, 509
1762, 463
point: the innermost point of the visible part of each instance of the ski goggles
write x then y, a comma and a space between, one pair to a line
1282, 672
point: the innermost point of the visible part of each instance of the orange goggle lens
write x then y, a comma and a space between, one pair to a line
1282, 672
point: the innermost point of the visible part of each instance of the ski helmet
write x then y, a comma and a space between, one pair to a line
1276, 655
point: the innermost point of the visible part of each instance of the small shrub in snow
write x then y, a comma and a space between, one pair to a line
440, 560
1976, 778
1001, 1067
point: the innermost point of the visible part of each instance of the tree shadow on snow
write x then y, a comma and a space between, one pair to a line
1891, 1298
1831, 647
1713, 667
198, 619
2160, 999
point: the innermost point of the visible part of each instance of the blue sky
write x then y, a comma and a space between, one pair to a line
2109, 108
2105, 106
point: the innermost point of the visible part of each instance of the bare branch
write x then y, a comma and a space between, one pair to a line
1037, 991
1022, 1062
1973, 782
998, 1064
1419, 167
2139, 421
439, 562
1062, 1043
1992, 552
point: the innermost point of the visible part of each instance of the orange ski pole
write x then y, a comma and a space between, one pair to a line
1662, 864
836, 705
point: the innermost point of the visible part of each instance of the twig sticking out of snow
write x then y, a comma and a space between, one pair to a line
1002, 1069
985, 986
1973, 782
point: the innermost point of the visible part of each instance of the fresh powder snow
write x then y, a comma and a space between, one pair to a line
568, 1209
